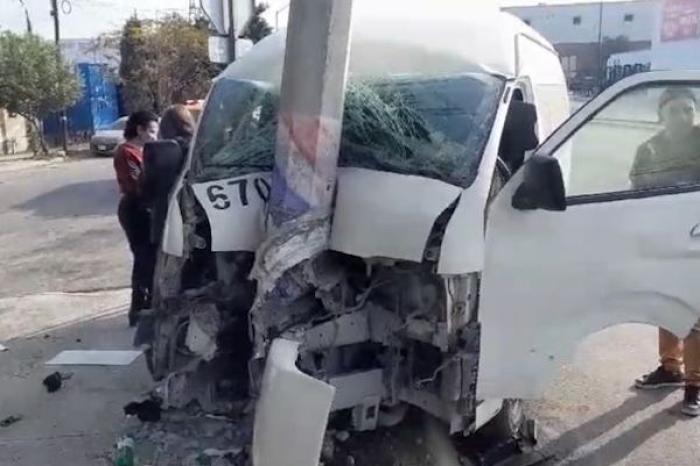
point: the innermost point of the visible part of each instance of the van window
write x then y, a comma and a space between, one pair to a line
431, 127
647, 138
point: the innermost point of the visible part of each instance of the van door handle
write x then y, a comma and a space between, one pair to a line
695, 231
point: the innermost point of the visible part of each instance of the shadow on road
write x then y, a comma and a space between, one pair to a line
621, 446
598, 426
561, 450
76, 200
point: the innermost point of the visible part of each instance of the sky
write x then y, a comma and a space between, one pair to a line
89, 18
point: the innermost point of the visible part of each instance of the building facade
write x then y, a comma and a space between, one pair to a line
587, 34
676, 41
14, 134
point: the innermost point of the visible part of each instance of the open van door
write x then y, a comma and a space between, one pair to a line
616, 240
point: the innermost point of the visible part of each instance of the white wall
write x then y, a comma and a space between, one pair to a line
76, 51
630, 58
556, 22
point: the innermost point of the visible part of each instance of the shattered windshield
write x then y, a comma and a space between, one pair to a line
431, 127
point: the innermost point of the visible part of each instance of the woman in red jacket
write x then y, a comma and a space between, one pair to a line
141, 127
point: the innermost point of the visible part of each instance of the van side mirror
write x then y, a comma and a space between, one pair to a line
542, 186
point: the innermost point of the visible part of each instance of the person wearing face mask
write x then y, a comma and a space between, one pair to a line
672, 158
141, 128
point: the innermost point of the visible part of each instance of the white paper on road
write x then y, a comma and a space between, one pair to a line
235, 208
2, 348
94, 358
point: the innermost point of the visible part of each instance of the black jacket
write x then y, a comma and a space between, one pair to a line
162, 162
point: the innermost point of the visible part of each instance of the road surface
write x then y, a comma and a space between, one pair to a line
65, 265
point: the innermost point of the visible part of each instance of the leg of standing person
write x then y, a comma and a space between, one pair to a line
691, 402
670, 372
670, 352
134, 220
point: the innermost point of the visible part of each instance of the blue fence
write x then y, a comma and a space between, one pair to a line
97, 107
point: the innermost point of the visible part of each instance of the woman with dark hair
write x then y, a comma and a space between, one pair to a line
163, 161
141, 127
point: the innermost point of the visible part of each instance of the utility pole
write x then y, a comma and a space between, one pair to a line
57, 36
300, 206
232, 30
601, 65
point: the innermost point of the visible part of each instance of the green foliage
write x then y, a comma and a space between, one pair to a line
34, 81
257, 29
133, 68
164, 62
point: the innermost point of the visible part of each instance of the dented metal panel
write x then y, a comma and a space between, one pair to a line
292, 411
381, 214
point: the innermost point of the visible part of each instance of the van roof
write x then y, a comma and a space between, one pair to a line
434, 38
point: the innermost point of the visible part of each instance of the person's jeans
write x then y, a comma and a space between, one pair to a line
675, 353
136, 222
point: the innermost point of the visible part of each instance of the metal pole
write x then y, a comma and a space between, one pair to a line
232, 29
601, 65
57, 36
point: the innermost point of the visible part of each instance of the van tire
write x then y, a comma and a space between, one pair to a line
508, 423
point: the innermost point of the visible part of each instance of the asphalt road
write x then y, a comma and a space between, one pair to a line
59, 233
591, 415
65, 266
58, 229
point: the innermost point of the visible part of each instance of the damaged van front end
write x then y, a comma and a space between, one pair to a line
385, 317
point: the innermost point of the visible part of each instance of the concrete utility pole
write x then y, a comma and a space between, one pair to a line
57, 36
303, 185
311, 108
232, 30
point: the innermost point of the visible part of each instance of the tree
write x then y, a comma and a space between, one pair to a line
164, 62
257, 28
34, 80
133, 66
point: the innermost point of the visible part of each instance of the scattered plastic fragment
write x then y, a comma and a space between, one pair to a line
125, 452
8, 421
53, 382
147, 411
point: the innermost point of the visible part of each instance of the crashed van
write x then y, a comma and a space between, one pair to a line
464, 262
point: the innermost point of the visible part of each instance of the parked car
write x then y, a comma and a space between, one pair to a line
105, 141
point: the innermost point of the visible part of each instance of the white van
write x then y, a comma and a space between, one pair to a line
463, 268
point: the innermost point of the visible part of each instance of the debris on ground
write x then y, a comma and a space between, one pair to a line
94, 358
146, 411
53, 382
8, 421
3, 348
188, 437
125, 452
